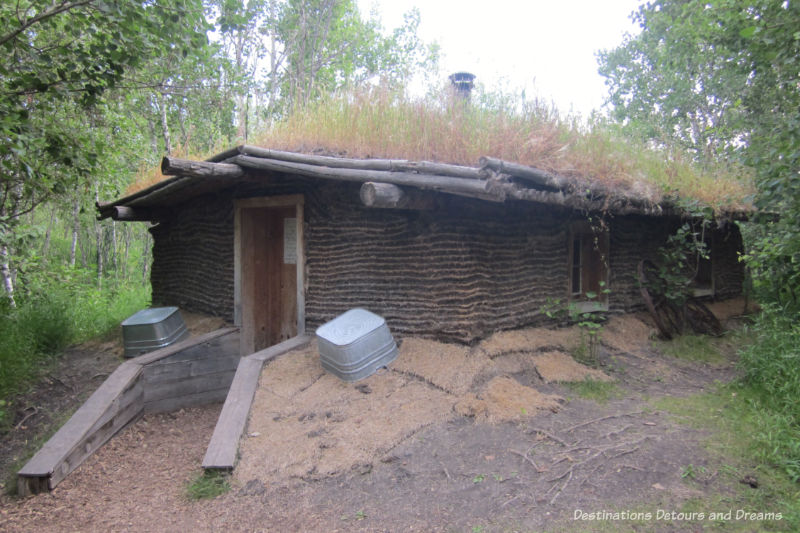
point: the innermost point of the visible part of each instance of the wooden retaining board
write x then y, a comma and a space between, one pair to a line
224, 445
199, 375
122, 397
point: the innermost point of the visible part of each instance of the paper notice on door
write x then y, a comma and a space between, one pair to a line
289, 241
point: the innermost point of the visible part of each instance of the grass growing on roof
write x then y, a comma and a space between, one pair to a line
377, 123
380, 124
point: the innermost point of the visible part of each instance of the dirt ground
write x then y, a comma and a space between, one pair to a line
449, 438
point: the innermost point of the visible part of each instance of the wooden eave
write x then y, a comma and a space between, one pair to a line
494, 180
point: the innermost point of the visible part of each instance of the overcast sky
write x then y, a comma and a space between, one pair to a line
546, 47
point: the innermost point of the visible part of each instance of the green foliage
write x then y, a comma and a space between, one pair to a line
682, 78
208, 484
63, 57
745, 438
771, 368
679, 260
720, 79
62, 306
590, 324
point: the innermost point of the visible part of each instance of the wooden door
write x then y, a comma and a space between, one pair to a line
269, 242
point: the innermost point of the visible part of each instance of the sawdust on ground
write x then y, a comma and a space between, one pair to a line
450, 367
727, 309
556, 366
307, 424
627, 333
504, 399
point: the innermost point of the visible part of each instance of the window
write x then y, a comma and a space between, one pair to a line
577, 266
701, 272
588, 265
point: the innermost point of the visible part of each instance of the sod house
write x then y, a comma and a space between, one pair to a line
281, 242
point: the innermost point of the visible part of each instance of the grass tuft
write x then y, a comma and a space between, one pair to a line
208, 484
701, 348
598, 391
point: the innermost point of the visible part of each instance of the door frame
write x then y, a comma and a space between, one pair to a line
290, 200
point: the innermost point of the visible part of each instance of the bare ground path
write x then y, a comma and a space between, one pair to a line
462, 474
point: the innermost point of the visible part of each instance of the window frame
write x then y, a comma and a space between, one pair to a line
595, 244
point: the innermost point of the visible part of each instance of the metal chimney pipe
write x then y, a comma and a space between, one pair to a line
462, 84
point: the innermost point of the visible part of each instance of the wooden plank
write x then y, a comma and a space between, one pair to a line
121, 398
249, 262
54, 451
224, 444
286, 346
211, 365
287, 286
300, 299
244, 255
94, 440
183, 387
227, 344
151, 357
282, 200
268, 280
190, 400
166, 371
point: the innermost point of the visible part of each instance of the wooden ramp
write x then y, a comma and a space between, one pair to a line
224, 446
193, 372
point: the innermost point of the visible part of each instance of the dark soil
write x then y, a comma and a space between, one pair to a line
65, 384
460, 475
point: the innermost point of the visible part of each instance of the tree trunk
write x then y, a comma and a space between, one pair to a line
46, 245
5, 272
126, 237
162, 104
145, 256
98, 237
76, 226
153, 135
114, 247
83, 244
